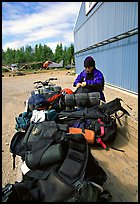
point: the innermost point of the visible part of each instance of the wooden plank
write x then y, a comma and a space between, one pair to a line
121, 167
128, 132
122, 143
128, 156
122, 171
129, 120
133, 123
128, 128
126, 139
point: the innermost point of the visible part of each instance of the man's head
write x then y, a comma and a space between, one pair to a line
89, 64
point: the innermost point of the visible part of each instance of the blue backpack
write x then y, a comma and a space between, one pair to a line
23, 120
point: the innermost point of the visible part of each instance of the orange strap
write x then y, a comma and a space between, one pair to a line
53, 97
88, 134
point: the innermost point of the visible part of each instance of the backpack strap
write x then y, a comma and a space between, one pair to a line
102, 127
66, 179
126, 104
16, 147
99, 139
75, 162
54, 97
14, 160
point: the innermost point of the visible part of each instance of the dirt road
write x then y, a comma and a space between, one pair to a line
15, 90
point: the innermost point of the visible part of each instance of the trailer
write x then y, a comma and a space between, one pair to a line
120, 163
122, 166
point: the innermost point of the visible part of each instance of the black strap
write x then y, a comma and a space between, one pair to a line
118, 118
126, 104
121, 150
75, 162
14, 156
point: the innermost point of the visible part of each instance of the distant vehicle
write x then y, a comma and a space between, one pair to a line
20, 66
49, 64
14, 67
69, 66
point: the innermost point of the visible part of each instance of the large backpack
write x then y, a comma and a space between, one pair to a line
101, 119
69, 173
52, 100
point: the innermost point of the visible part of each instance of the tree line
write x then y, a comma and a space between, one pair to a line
40, 53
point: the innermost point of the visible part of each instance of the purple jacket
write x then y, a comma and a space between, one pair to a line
94, 81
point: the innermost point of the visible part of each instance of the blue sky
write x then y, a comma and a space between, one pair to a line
31, 23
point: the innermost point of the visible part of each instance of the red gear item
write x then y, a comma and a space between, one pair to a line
67, 91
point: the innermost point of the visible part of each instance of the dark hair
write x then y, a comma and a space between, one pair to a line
89, 62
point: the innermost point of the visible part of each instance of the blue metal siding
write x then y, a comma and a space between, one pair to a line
110, 19
117, 60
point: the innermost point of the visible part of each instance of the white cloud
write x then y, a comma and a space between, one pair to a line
13, 45
51, 20
53, 45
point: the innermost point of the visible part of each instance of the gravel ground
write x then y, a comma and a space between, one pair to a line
15, 90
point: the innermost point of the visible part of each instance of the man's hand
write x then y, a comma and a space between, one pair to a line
78, 85
83, 84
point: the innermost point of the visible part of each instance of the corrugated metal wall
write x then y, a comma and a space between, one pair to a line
117, 60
